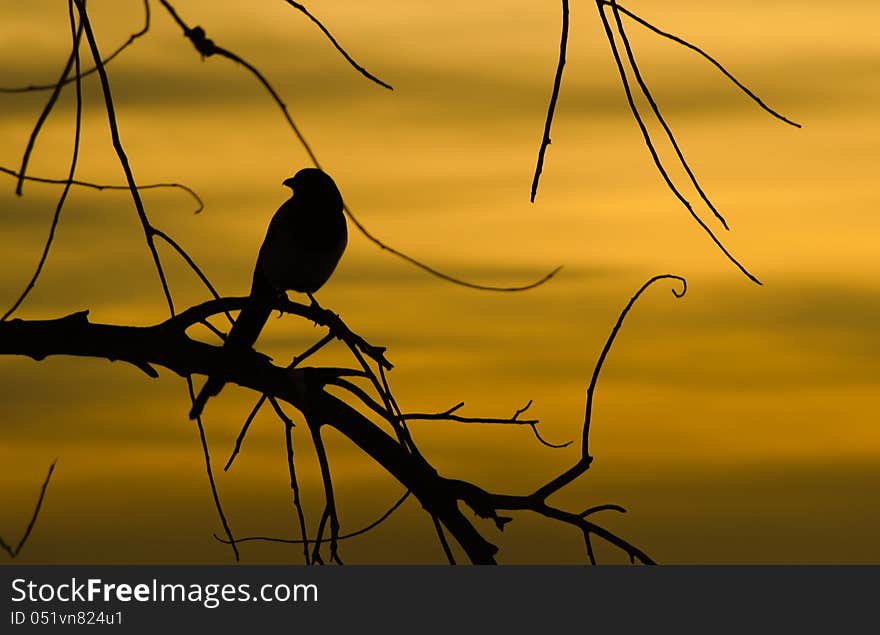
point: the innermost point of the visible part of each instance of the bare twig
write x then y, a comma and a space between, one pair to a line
444, 276
189, 261
294, 488
203, 440
77, 37
243, 432
131, 39
710, 59
120, 152
13, 552
652, 150
353, 534
653, 103
101, 186
329, 497
338, 46
551, 109
44, 114
584, 462
444, 543
601, 508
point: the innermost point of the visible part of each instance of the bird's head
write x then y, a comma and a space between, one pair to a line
312, 182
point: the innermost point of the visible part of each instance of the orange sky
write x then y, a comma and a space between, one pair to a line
736, 425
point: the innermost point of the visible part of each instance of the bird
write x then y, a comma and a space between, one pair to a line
303, 244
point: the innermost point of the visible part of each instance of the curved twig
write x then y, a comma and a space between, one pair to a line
708, 58
76, 33
94, 69
353, 534
363, 71
585, 459
102, 186
653, 151
439, 274
660, 118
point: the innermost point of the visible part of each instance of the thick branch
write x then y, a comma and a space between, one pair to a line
167, 345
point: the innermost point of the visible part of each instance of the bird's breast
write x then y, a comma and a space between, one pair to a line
302, 249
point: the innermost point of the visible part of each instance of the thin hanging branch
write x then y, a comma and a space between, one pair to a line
360, 69
653, 151
551, 109
710, 59
120, 152
353, 534
203, 440
659, 116
44, 115
294, 488
14, 551
131, 40
77, 37
200, 205
617, 10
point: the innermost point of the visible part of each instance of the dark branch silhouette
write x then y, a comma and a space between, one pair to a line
14, 551
617, 10
148, 233
710, 59
305, 388
348, 58
653, 151
131, 40
102, 186
656, 109
551, 109
74, 57
367, 412
353, 534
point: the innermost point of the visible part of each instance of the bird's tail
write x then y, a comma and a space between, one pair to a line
211, 388
241, 337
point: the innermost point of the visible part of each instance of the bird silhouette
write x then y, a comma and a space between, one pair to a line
303, 245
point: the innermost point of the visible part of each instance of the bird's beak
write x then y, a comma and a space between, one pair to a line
288, 182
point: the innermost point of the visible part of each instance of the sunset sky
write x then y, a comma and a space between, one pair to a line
736, 425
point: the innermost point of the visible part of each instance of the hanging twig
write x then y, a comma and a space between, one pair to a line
77, 37
353, 534
653, 103
105, 61
13, 552
710, 59
294, 488
551, 109
100, 186
652, 150
338, 46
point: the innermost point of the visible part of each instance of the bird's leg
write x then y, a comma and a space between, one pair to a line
314, 305
329, 315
